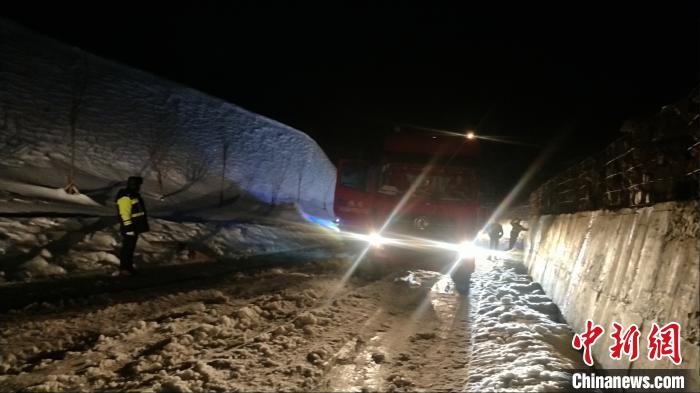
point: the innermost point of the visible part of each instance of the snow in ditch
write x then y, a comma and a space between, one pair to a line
520, 341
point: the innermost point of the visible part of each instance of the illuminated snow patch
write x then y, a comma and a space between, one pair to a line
520, 341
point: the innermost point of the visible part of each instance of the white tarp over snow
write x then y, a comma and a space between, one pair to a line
128, 119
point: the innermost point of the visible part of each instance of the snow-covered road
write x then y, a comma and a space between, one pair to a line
302, 328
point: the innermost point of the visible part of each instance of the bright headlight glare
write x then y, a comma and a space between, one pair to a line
375, 239
465, 250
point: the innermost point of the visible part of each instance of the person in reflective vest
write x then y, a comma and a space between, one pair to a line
134, 220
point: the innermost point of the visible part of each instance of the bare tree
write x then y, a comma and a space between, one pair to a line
224, 158
158, 149
13, 121
279, 181
196, 168
80, 77
160, 139
301, 178
8, 128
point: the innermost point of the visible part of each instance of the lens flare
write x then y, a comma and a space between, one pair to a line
375, 239
466, 250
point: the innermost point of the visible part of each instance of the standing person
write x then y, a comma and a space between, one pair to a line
495, 231
133, 218
515, 230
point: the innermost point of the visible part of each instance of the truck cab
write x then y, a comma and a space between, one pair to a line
423, 190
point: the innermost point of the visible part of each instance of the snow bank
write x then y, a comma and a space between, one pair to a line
129, 122
39, 267
520, 343
82, 245
629, 266
57, 194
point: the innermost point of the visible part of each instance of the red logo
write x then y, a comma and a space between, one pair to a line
662, 342
627, 343
665, 341
587, 339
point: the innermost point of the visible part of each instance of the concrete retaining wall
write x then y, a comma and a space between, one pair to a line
629, 266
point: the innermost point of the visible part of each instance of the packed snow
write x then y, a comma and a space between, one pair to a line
521, 342
297, 329
92, 244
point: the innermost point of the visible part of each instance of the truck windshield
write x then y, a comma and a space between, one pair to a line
442, 183
354, 175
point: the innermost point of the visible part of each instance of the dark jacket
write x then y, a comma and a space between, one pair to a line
516, 228
495, 230
131, 211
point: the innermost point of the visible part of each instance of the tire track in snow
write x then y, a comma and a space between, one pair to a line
208, 343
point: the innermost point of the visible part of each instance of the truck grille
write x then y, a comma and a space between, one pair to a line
433, 228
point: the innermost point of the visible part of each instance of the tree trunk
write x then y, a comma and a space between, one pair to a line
224, 158
80, 83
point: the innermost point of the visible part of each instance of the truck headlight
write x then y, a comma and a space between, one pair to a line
375, 239
466, 250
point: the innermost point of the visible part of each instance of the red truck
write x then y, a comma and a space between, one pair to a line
419, 201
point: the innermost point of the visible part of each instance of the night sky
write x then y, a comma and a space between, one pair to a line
347, 73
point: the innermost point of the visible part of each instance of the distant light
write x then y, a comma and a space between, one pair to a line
471, 135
